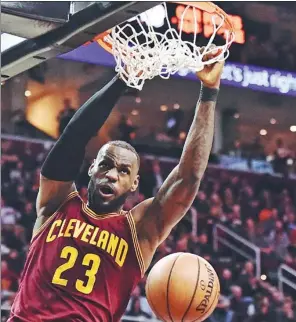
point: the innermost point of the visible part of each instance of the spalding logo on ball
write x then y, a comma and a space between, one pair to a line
182, 287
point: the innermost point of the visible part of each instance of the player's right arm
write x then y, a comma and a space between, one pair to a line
63, 163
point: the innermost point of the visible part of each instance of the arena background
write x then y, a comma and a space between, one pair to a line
243, 219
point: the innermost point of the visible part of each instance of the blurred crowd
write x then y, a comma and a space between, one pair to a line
282, 159
259, 208
261, 50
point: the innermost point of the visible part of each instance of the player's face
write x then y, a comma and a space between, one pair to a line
113, 176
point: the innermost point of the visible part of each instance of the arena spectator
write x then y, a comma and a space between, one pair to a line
247, 280
250, 230
287, 313
234, 219
138, 305
226, 282
203, 248
157, 175
9, 280
290, 222
264, 313
126, 129
279, 240
201, 203
291, 257
65, 115
9, 215
281, 156
223, 311
28, 219
237, 303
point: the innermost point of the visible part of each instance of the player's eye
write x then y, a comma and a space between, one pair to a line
103, 165
125, 171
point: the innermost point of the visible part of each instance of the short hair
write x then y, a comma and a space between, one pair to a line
127, 146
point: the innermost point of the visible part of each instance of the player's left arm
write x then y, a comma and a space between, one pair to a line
156, 217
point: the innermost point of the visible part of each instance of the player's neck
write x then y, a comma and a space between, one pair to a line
101, 210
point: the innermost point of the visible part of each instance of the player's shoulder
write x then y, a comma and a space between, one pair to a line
139, 210
71, 203
73, 199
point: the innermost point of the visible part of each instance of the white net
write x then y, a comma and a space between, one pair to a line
141, 52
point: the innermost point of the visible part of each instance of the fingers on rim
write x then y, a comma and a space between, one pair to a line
213, 51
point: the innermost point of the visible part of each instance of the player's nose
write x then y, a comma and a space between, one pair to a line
112, 175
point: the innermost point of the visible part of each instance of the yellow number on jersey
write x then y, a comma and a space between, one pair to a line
64, 267
88, 259
90, 273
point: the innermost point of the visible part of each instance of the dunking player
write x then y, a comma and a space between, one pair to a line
85, 259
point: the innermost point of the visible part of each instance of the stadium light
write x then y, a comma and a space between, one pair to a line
263, 132
272, 121
290, 161
154, 16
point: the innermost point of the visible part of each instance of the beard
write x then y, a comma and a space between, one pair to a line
101, 206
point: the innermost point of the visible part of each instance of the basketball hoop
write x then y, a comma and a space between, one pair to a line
142, 53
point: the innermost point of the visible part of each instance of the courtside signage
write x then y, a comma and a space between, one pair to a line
238, 75
256, 78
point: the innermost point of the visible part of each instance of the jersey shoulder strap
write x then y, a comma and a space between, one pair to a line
42, 222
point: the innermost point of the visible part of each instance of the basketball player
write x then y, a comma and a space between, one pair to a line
85, 259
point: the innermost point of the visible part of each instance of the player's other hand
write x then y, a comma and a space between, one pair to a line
210, 75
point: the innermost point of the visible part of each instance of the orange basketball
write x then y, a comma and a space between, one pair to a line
182, 287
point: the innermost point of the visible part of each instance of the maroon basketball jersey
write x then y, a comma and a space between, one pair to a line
80, 267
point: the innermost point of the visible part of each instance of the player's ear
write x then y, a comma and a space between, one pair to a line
135, 184
91, 167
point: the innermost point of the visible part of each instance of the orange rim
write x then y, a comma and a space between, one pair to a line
209, 7
103, 43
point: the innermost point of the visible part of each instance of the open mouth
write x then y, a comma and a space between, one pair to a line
106, 191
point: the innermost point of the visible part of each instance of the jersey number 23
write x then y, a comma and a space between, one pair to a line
90, 261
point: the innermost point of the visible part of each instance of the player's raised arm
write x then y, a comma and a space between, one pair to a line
62, 164
156, 217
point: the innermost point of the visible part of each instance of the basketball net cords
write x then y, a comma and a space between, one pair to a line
167, 56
